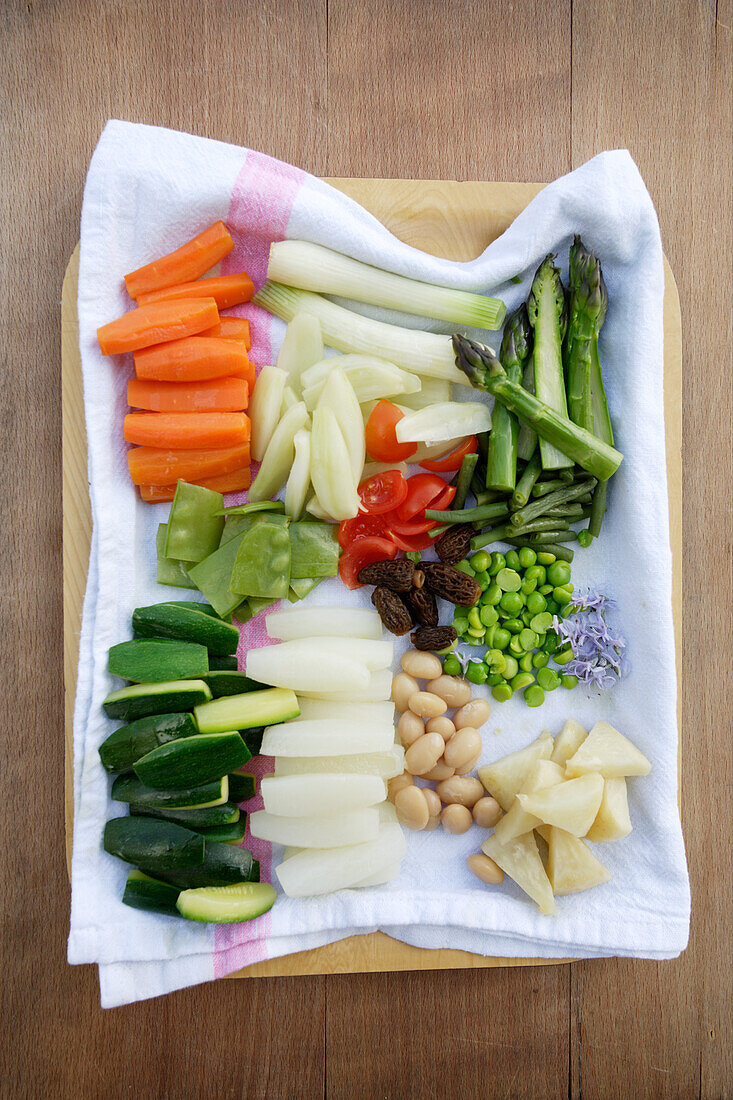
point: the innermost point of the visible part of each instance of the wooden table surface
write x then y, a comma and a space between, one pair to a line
459, 89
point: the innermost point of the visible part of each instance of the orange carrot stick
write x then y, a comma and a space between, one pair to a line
157, 323
155, 466
193, 360
226, 483
190, 261
214, 395
206, 431
232, 328
226, 290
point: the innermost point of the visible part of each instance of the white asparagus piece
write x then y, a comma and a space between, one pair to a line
320, 795
292, 665
329, 737
311, 622
386, 765
322, 871
353, 827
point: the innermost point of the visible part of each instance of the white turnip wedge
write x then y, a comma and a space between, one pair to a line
299, 478
322, 871
331, 472
320, 795
354, 827
377, 690
311, 622
326, 737
296, 666
371, 378
338, 396
386, 765
346, 712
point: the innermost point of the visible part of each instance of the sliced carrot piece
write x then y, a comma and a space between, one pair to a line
214, 395
193, 360
232, 328
248, 374
155, 466
205, 431
192, 260
227, 483
226, 290
157, 323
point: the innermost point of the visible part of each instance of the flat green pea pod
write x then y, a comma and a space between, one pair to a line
314, 550
262, 565
195, 523
170, 571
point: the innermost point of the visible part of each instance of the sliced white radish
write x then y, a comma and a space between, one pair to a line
265, 407
292, 665
377, 690
320, 795
386, 765
354, 827
311, 622
349, 712
326, 737
323, 871
444, 420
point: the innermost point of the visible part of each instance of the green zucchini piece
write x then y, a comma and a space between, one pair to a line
160, 845
173, 573
154, 660
128, 743
253, 739
209, 817
197, 605
227, 904
240, 712
141, 700
128, 788
212, 576
223, 865
225, 834
166, 620
314, 550
242, 786
231, 683
223, 664
143, 892
195, 523
192, 761
254, 874
262, 565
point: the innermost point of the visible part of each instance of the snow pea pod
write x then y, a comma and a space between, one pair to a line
173, 573
262, 563
314, 550
194, 523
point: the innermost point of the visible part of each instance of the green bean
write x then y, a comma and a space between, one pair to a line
570, 512
531, 472
567, 476
491, 496
506, 531
470, 515
463, 480
598, 508
542, 488
539, 507
563, 553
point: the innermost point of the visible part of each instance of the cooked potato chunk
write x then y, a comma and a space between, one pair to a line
571, 805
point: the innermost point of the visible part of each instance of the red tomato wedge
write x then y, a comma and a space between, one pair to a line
383, 492
412, 542
363, 552
451, 462
421, 490
360, 527
379, 434
443, 500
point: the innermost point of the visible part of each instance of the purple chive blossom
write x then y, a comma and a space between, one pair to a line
598, 651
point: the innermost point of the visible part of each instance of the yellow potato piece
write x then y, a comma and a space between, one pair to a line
571, 805
612, 820
568, 741
609, 753
505, 777
521, 861
571, 866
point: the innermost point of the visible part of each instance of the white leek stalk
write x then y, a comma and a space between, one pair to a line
265, 407
423, 353
299, 478
279, 455
313, 267
331, 467
301, 347
437, 423
338, 396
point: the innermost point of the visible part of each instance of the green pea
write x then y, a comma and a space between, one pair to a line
537, 573
460, 624
452, 666
498, 561
511, 667
570, 587
544, 557
483, 598
489, 636
568, 681
488, 615
562, 656
484, 580
536, 604
542, 622
512, 603
558, 573
494, 678
534, 696
512, 559
502, 692
476, 632
508, 580
561, 595
476, 672
528, 638
514, 626
464, 567
522, 680
516, 647
493, 594
540, 660
481, 561
564, 611
585, 538
551, 642
473, 618
527, 557
528, 586
525, 663
545, 589
548, 679
552, 607
540, 639
495, 660
501, 638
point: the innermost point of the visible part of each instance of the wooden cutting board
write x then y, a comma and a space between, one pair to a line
447, 218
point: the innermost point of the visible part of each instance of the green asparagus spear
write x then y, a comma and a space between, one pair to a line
463, 480
587, 310
548, 316
485, 372
540, 507
532, 471
601, 420
527, 442
501, 460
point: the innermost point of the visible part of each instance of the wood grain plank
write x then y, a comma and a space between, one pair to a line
679, 133
251, 73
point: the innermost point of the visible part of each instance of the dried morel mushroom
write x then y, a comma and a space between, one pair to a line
455, 543
433, 637
392, 610
423, 606
396, 575
451, 584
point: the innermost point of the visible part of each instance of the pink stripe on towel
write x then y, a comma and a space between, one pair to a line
259, 212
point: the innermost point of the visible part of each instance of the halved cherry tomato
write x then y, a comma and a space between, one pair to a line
443, 500
412, 542
421, 490
451, 462
360, 527
364, 552
383, 492
379, 434
408, 528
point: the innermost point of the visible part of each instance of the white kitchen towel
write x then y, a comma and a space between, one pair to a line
147, 190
